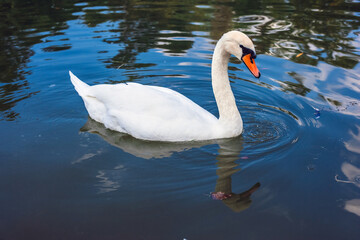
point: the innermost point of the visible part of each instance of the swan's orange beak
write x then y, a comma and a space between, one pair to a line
250, 63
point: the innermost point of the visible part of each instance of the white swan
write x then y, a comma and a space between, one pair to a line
161, 114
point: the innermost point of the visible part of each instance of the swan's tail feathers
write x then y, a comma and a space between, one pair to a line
80, 86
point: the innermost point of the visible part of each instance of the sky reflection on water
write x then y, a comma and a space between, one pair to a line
294, 172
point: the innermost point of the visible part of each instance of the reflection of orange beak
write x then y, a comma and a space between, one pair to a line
250, 63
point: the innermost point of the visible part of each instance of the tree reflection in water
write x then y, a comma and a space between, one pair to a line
22, 25
325, 31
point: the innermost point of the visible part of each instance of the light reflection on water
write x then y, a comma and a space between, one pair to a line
295, 166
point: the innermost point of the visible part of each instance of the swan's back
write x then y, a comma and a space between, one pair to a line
147, 112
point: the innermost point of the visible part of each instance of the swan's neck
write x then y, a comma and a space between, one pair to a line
224, 97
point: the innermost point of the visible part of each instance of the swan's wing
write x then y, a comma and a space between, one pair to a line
144, 111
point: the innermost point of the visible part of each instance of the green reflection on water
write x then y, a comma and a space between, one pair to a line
325, 31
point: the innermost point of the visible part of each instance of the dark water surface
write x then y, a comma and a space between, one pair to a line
293, 174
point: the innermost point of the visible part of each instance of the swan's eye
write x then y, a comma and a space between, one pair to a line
247, 51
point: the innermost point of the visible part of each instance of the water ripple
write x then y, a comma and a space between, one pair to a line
269, 128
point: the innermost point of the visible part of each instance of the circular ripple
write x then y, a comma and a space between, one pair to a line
268, 128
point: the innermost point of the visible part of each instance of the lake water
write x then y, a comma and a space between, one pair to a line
293, 174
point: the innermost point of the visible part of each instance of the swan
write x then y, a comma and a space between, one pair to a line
160, 114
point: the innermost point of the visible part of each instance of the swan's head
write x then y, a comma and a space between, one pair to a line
241, 46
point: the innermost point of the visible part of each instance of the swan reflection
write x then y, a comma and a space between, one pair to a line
137, 147
228, 153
